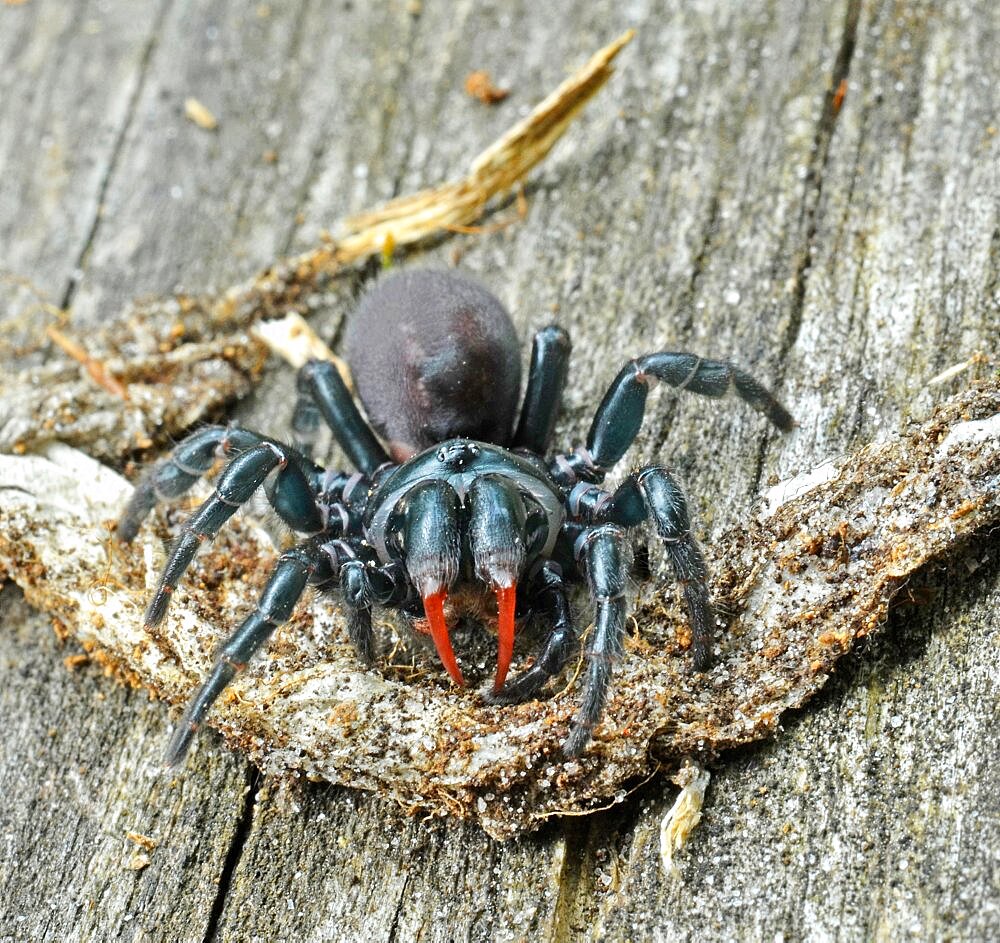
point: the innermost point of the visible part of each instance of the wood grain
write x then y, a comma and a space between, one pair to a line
722, 197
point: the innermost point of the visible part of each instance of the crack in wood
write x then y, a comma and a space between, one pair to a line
398, 912
234, 854
812, 194
813, 190
73, 281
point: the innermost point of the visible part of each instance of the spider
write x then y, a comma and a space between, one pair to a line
460, 500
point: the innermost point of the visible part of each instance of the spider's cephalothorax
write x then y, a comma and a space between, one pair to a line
464, 496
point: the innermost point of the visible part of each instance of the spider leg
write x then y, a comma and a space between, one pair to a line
294, 570
364, 584
194, 457
546, 592
653, 494
321, 387
172, 476
620, 414
242, 477
607, 575
546, 380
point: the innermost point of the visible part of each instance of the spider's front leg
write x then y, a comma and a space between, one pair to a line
319, 561
292, 496
620, 414
296, 568
193, 457
652, 495
364, 584
604, 553
546, 593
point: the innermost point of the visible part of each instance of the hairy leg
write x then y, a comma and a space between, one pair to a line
604, 554
653, 496
294, 570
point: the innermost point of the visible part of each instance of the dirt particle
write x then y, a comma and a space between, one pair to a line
480, 86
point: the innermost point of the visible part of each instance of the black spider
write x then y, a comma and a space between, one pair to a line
461, 498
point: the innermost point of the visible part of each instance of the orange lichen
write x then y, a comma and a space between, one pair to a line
838, 96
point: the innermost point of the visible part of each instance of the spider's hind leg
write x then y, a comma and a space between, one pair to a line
550, 352
322, 392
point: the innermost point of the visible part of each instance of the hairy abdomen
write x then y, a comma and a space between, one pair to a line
434, 356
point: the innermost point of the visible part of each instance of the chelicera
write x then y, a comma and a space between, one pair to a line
462, 496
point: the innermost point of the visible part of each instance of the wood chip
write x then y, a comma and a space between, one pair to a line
479, 85
138, 861
195, 111
292, 339
144, 841
684, 815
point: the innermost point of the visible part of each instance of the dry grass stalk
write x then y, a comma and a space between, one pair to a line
423, 215
495, 171
95, 369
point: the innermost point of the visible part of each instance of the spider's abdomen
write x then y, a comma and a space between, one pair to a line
434, 356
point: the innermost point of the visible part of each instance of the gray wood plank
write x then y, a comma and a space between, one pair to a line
79, 771
717, 200
874, 814
68, 88
200, 50
573, 254
226, 202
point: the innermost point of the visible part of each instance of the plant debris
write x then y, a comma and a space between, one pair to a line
167, 374
172, 382
138, 861
292, 339
195, 111
480, 86
684, 815
143, 841
811, 572
95, 369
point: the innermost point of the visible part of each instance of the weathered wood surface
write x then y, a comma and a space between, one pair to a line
715, 198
